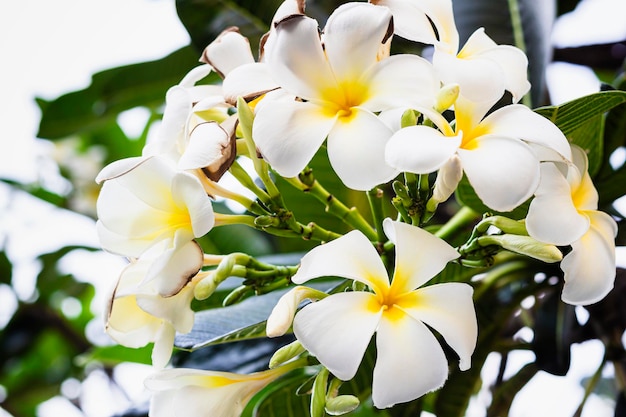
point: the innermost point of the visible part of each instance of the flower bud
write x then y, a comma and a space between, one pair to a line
447, 180
282, 315
447, 97
205, 288
342, 404
286, 353
524, 245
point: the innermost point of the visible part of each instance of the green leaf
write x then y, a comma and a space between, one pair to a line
581, 121
113, 91
6, 269
504, 394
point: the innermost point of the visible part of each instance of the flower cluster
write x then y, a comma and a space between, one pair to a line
379, 117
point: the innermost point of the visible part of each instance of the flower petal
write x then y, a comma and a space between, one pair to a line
590, 266
518, 121
190, 196
420, 149
552, 216
175, 266
248, 81
297, 59
409, 20
401, 81
419, 255
353, 35
504, 172
338, 329
356, 150
409, 362
448, 308
350, 256
207, 142
228, 51
289, 133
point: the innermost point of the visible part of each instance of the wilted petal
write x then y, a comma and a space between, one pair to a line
356, 150
207, 142
338, 329
248, 81
228, 51
420, 149
289, 133
552, 216
350, 256
504, 172
353, 35
590, 266
175, 266
419, 255
448, 308
409, 362
518, 121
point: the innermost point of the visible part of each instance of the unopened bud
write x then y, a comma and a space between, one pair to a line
447, 97
409, 118
281, 317
447, 180
205, 288
286, 353
524, 245
342, 404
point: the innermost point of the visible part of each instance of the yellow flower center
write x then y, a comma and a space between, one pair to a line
341, 100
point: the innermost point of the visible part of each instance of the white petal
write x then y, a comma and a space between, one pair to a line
350, 256
289, 133
518, 121
352, 37
590, 266
121, 244
356, 150
552, 216
207, 143
401, 81
479, 80
281, 317
504, 172
248, 81
448, 178
173, 269
297, 60
419, 255
449, 309
119, 167
338, 329
195, 75
163, 344
420, 149
410, 21
409, 362
228, 51
190, 196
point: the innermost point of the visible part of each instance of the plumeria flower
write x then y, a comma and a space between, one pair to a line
341, 81
565, 212
337, 329
142, 205
137, 314
496, 152
200, 393
482, 68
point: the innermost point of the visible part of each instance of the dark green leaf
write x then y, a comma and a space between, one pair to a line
6, 269
113, 91
504, 394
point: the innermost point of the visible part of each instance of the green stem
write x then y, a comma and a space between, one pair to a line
496, 274
374, 197
461, 218
350, 216
244, 179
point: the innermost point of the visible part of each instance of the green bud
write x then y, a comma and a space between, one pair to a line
409, 118
237, 295
342, 404
318, 394
266, 221
524, 245
286, 353
447, 97
205, 288
515, 227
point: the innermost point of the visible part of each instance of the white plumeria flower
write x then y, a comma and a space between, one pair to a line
482, 68
153, 203
137, 314
341, 80
565, 212
199, 393
337, 329
496, 152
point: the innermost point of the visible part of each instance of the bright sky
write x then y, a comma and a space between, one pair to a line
52, 47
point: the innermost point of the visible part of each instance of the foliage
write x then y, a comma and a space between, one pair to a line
40, 343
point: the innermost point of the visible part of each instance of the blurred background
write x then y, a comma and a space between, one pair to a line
83, 85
